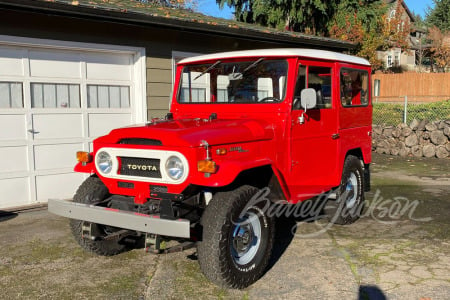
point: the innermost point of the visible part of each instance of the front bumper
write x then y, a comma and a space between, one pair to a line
118, 218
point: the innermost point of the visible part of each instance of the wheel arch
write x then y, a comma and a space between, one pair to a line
259, 177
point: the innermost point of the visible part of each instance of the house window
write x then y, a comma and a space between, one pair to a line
11, 95
397, 59
392, 14
389, 61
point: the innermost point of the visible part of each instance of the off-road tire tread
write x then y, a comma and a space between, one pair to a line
91, 190
211, 249
351, 163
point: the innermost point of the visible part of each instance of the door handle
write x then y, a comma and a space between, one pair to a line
32, 131
335, 136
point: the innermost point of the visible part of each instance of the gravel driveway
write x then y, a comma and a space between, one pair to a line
400, 249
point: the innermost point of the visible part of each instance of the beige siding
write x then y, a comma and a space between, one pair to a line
156, 113
159, 75
159, 89
159, 102
159, 63
159, 86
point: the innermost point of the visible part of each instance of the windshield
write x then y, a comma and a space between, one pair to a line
253, 81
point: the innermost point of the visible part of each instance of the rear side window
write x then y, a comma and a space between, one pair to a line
354, 87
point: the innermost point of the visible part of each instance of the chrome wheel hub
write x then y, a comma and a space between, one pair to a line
246, 239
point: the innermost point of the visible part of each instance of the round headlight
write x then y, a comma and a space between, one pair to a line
104, 162
174, 168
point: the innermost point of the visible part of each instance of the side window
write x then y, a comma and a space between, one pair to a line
317, 78
354, 87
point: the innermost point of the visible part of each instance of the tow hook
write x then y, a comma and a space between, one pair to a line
155, 244
86, 233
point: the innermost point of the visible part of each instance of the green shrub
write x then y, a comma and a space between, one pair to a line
392, 114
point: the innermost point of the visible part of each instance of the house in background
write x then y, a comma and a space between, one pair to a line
395, 57
70, 71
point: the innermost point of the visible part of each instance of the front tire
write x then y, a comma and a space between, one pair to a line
237, 238
90, 191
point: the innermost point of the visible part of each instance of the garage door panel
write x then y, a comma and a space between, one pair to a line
12, 127
57, 186
14, 159
54, 101
101, 124
55, 64
49, 157
55, 126
15, 192
108, 66
11, 62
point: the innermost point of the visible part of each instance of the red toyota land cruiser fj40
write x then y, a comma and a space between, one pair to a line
246, 130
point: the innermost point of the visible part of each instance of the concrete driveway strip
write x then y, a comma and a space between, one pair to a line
301, 268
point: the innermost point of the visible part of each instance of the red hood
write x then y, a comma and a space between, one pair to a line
190, 132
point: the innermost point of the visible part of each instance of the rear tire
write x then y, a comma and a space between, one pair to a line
349, 203
237, 239
90, 191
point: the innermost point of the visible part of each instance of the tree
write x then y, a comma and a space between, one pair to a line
295, 15
365, 23
440, 50
438, 20
419, 21
439, 16
243, 9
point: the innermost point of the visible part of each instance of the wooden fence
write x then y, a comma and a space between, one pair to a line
414, 85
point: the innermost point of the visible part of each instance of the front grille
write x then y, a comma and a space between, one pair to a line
140, 141
142, 167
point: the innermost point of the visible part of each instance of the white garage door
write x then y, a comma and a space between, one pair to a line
54, 100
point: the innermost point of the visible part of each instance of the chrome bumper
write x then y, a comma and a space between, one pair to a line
118, 218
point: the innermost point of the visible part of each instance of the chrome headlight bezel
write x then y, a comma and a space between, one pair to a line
174, 168
104, 162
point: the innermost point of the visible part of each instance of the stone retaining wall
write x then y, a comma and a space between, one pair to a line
419, 139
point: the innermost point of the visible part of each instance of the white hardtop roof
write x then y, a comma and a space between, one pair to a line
287, 52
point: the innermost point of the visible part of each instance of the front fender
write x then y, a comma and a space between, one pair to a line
228, 171
86, 168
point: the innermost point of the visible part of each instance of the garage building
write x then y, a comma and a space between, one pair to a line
70, 71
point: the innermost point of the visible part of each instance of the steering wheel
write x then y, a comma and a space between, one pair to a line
269, 99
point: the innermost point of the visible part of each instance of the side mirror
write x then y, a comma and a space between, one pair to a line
308, 98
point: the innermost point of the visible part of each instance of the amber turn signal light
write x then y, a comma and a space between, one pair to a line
206, 166
84, 157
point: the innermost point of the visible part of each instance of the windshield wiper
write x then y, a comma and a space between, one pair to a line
253, 64
208, 69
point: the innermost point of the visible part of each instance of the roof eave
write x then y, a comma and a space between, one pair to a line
132, 18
